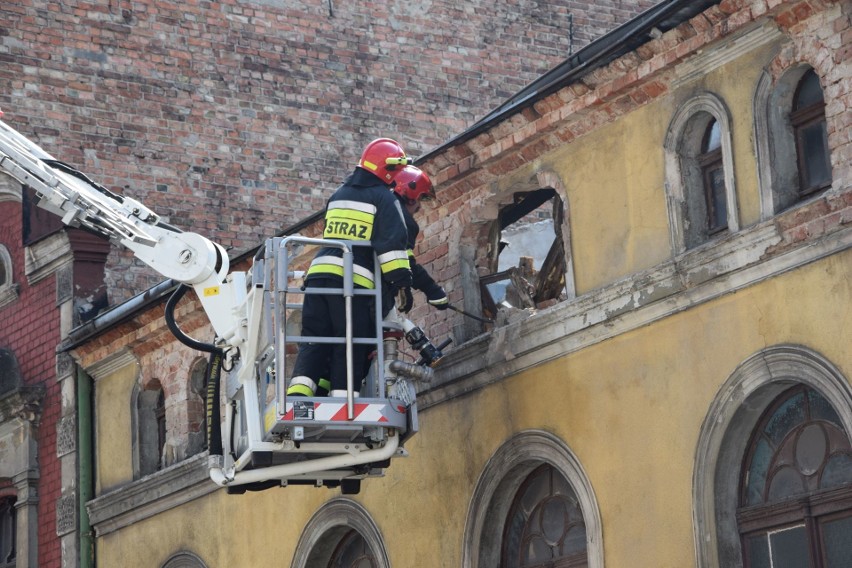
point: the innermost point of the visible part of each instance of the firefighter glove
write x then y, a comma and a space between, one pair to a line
441, 303
404, 300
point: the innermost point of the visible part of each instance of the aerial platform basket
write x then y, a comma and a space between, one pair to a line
280, 440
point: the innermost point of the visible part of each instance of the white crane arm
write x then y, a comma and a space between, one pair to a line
185, 257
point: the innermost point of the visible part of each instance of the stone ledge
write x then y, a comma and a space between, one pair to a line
691, 279
151, 495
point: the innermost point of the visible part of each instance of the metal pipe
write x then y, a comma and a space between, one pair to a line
85, 472
348, 292
314, 466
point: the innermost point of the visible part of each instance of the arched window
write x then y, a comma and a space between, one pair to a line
196, 408
792, 139
713, 178
160, 415
516, 252
8, 532
151, 428
533, 506
8, 288
700, 173
796, 486
341, 534
545, 525
808, 121
184, 560
759, 401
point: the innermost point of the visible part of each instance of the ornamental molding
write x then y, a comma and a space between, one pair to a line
151, 495
711, 58
47, 256
111, 363
700, 275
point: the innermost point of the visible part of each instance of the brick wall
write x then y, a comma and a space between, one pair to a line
30, 330
641, 76
235, 119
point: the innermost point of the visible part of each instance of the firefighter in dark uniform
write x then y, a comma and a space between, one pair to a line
362, 209
412, 186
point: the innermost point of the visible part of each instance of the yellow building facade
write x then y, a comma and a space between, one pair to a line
685, 398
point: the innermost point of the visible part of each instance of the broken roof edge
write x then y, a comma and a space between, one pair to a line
663, 17
626, 38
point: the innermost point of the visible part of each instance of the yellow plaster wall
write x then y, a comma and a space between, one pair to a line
615, 176
630, 408
113, 437
617, 205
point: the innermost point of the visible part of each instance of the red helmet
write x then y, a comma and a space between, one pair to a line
384, 158
412, 184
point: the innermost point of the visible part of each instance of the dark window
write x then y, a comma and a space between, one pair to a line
160, 414
713, 178
352, 552
545, 526
8, 532
196, 408
808, 121
796, 487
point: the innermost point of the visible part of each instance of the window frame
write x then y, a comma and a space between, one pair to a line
8, 287
732, 416
806, 509
685, 181
709, 162
800, 120
778, 158
500, 479
564, 561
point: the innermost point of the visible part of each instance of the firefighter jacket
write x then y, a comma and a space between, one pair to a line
365, 209
421, 280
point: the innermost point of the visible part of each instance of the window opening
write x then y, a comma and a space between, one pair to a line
160, 415
8, 532
150, 429
796, 486
809, 126
545, 525
8, 289
197, 408
713, 176
527, 235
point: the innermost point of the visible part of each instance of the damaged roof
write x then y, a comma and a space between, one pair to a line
609, 47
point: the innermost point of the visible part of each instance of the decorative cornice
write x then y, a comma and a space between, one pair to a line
711, 58
10, 189
23, 403
696, 277
111, 364
47, 256
151, 495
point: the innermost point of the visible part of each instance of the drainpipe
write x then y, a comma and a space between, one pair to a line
85, 458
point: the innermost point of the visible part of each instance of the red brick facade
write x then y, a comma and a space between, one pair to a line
235, 119
30, 330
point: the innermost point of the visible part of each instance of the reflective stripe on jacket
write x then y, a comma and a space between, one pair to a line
365, 209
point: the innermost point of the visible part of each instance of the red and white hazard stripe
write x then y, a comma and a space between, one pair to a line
336, 412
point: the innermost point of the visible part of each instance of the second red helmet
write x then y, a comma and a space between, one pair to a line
412, 184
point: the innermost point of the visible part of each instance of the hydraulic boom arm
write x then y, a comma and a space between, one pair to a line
186, 257
269, 439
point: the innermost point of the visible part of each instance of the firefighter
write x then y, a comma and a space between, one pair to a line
362, 209
412, 186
